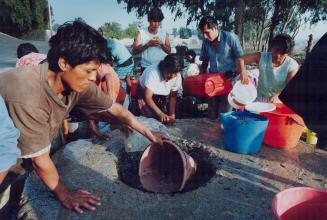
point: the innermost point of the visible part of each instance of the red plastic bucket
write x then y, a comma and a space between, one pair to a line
207, 85
284, 129
165, 168
300, 203
134, 87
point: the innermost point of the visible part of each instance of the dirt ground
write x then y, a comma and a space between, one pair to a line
242, 186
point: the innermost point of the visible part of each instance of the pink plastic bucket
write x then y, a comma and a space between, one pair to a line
300, 203
166, 168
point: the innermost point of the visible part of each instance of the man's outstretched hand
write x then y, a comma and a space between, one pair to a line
159, 137
81, 199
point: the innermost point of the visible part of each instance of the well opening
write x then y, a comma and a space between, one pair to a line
170, 168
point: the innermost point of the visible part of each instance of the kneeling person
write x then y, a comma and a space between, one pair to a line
157, 83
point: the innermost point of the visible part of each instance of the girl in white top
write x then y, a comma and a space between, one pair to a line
276, 68
153, 43
156, 84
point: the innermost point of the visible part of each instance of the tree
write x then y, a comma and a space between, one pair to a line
239, 19
55, 27
185, 33
131, 30
80, 19
275, 19
18, 17
113, 30
268, 16
289, 15
175, 32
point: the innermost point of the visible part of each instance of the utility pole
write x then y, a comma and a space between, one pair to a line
309, 45
50, 20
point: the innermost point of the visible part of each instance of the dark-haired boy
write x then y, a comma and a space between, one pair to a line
153, 42
38, 100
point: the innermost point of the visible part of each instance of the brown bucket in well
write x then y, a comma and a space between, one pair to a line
166, 168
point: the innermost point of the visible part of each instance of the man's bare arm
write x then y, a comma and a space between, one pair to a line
166, 45
137, 45
126, 117
48, 173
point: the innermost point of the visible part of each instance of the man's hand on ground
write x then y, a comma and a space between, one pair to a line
81, 199
95, 130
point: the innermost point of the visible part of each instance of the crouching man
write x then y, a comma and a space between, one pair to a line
38, 100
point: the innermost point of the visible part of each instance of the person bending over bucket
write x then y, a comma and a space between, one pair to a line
158, 83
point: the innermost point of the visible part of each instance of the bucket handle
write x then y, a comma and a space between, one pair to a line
296, 121
292, 119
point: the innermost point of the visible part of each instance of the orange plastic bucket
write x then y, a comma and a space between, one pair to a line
284, 128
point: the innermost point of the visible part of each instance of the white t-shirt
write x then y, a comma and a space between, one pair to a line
152, 55
151, 79
272, 80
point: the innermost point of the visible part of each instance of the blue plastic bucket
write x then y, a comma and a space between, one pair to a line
243, 131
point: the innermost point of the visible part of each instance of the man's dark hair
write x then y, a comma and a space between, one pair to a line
210, 21
155, 14
192, 54
26, 48
77, 43
181, 50
172, 63
283, 43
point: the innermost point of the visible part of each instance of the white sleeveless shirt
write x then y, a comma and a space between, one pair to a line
152, 55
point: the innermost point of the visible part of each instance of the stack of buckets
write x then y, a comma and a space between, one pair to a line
243, 131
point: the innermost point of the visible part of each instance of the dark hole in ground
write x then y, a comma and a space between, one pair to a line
129, 164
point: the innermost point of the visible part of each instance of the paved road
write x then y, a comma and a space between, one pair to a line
6, 65
8, 46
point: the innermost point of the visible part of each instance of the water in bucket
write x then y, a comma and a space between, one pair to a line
243, 131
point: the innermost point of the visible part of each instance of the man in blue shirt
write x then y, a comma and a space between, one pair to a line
219, 50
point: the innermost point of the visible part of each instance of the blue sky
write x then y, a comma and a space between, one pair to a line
97, 12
